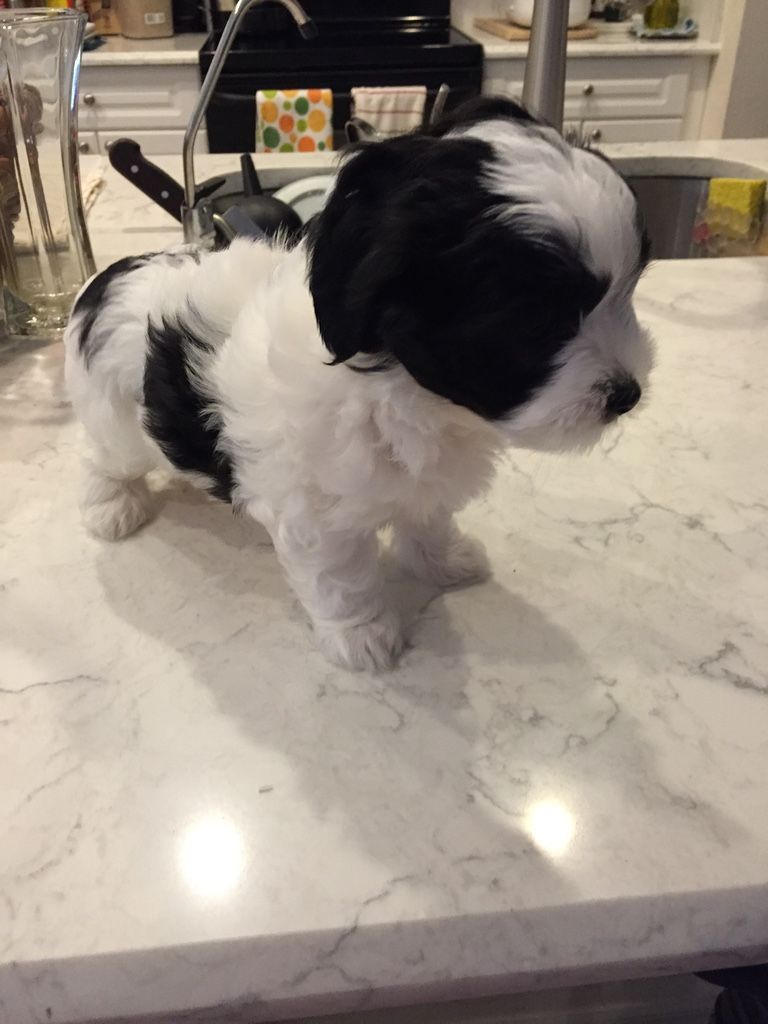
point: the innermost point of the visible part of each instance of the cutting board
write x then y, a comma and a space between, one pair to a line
516, 33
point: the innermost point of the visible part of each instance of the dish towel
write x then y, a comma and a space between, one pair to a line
294, 120
392, 110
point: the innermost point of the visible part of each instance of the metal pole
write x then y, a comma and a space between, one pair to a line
544, 82
306, 27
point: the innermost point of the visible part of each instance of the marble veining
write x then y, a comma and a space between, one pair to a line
563, 782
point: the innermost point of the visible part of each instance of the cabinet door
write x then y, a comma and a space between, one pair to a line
157, 143
630, 130
131, 97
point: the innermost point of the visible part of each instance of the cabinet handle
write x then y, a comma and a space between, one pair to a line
89, 99
588, 89
84, 147
596, 134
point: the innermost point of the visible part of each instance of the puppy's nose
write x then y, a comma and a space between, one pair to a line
624, 394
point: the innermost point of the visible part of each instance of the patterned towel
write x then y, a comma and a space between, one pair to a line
391, 110
294, 120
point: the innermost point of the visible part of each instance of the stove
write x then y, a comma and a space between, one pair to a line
359, 42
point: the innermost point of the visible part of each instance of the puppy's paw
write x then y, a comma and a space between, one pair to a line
371, 647
459, 563
115, 509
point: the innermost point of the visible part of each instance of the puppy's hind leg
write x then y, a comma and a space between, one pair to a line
115, 500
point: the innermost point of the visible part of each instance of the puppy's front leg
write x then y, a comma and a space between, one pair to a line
437, 552
337, 578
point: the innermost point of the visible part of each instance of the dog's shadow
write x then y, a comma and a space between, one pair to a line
402, 757
427, 778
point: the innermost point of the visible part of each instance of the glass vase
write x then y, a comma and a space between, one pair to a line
45, 253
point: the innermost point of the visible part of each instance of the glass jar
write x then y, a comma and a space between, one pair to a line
662, 14
45, 254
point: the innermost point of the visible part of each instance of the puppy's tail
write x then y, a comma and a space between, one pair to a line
113, 508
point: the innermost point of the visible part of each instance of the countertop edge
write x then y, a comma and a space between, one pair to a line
495, 48
437, 960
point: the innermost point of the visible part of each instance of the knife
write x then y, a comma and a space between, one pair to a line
126, 157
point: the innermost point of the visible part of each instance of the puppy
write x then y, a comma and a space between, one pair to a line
473, 286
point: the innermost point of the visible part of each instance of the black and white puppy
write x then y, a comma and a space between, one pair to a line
473, 285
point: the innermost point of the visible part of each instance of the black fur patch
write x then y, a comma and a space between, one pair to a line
91, 301
177, 413
411, 261
482, 108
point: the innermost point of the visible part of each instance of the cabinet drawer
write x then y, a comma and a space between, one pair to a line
137, 97
87, 143
608, 88
158, 143
646, 96
639, 130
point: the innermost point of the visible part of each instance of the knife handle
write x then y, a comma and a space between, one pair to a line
126, 157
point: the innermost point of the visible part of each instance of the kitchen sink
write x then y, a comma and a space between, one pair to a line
672, 193
670, 207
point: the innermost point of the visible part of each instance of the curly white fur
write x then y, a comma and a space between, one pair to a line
324, 457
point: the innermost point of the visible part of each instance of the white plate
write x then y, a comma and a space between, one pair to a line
307, 195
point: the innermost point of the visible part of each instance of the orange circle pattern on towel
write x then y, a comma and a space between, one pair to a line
294, 120
268, 111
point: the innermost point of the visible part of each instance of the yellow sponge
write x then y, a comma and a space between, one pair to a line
744, 195
735, 207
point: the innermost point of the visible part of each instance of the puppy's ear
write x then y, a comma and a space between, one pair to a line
390, 202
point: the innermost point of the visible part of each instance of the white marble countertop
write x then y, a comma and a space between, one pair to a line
563, 782
607, 44
179, 49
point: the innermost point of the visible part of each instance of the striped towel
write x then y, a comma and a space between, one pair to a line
392, 110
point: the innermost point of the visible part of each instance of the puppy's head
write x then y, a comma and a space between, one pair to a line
497, 265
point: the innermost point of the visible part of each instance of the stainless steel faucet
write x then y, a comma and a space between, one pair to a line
196, 216
544, 81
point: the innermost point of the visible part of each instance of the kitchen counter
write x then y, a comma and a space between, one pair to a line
179, 49
183, 48
607, 44
563, 782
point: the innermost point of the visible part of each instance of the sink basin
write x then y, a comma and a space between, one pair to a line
672, 193
670, 206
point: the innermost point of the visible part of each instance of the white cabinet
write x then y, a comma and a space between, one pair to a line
148, 103
649, 130
88, 142
612, 99
162, 142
